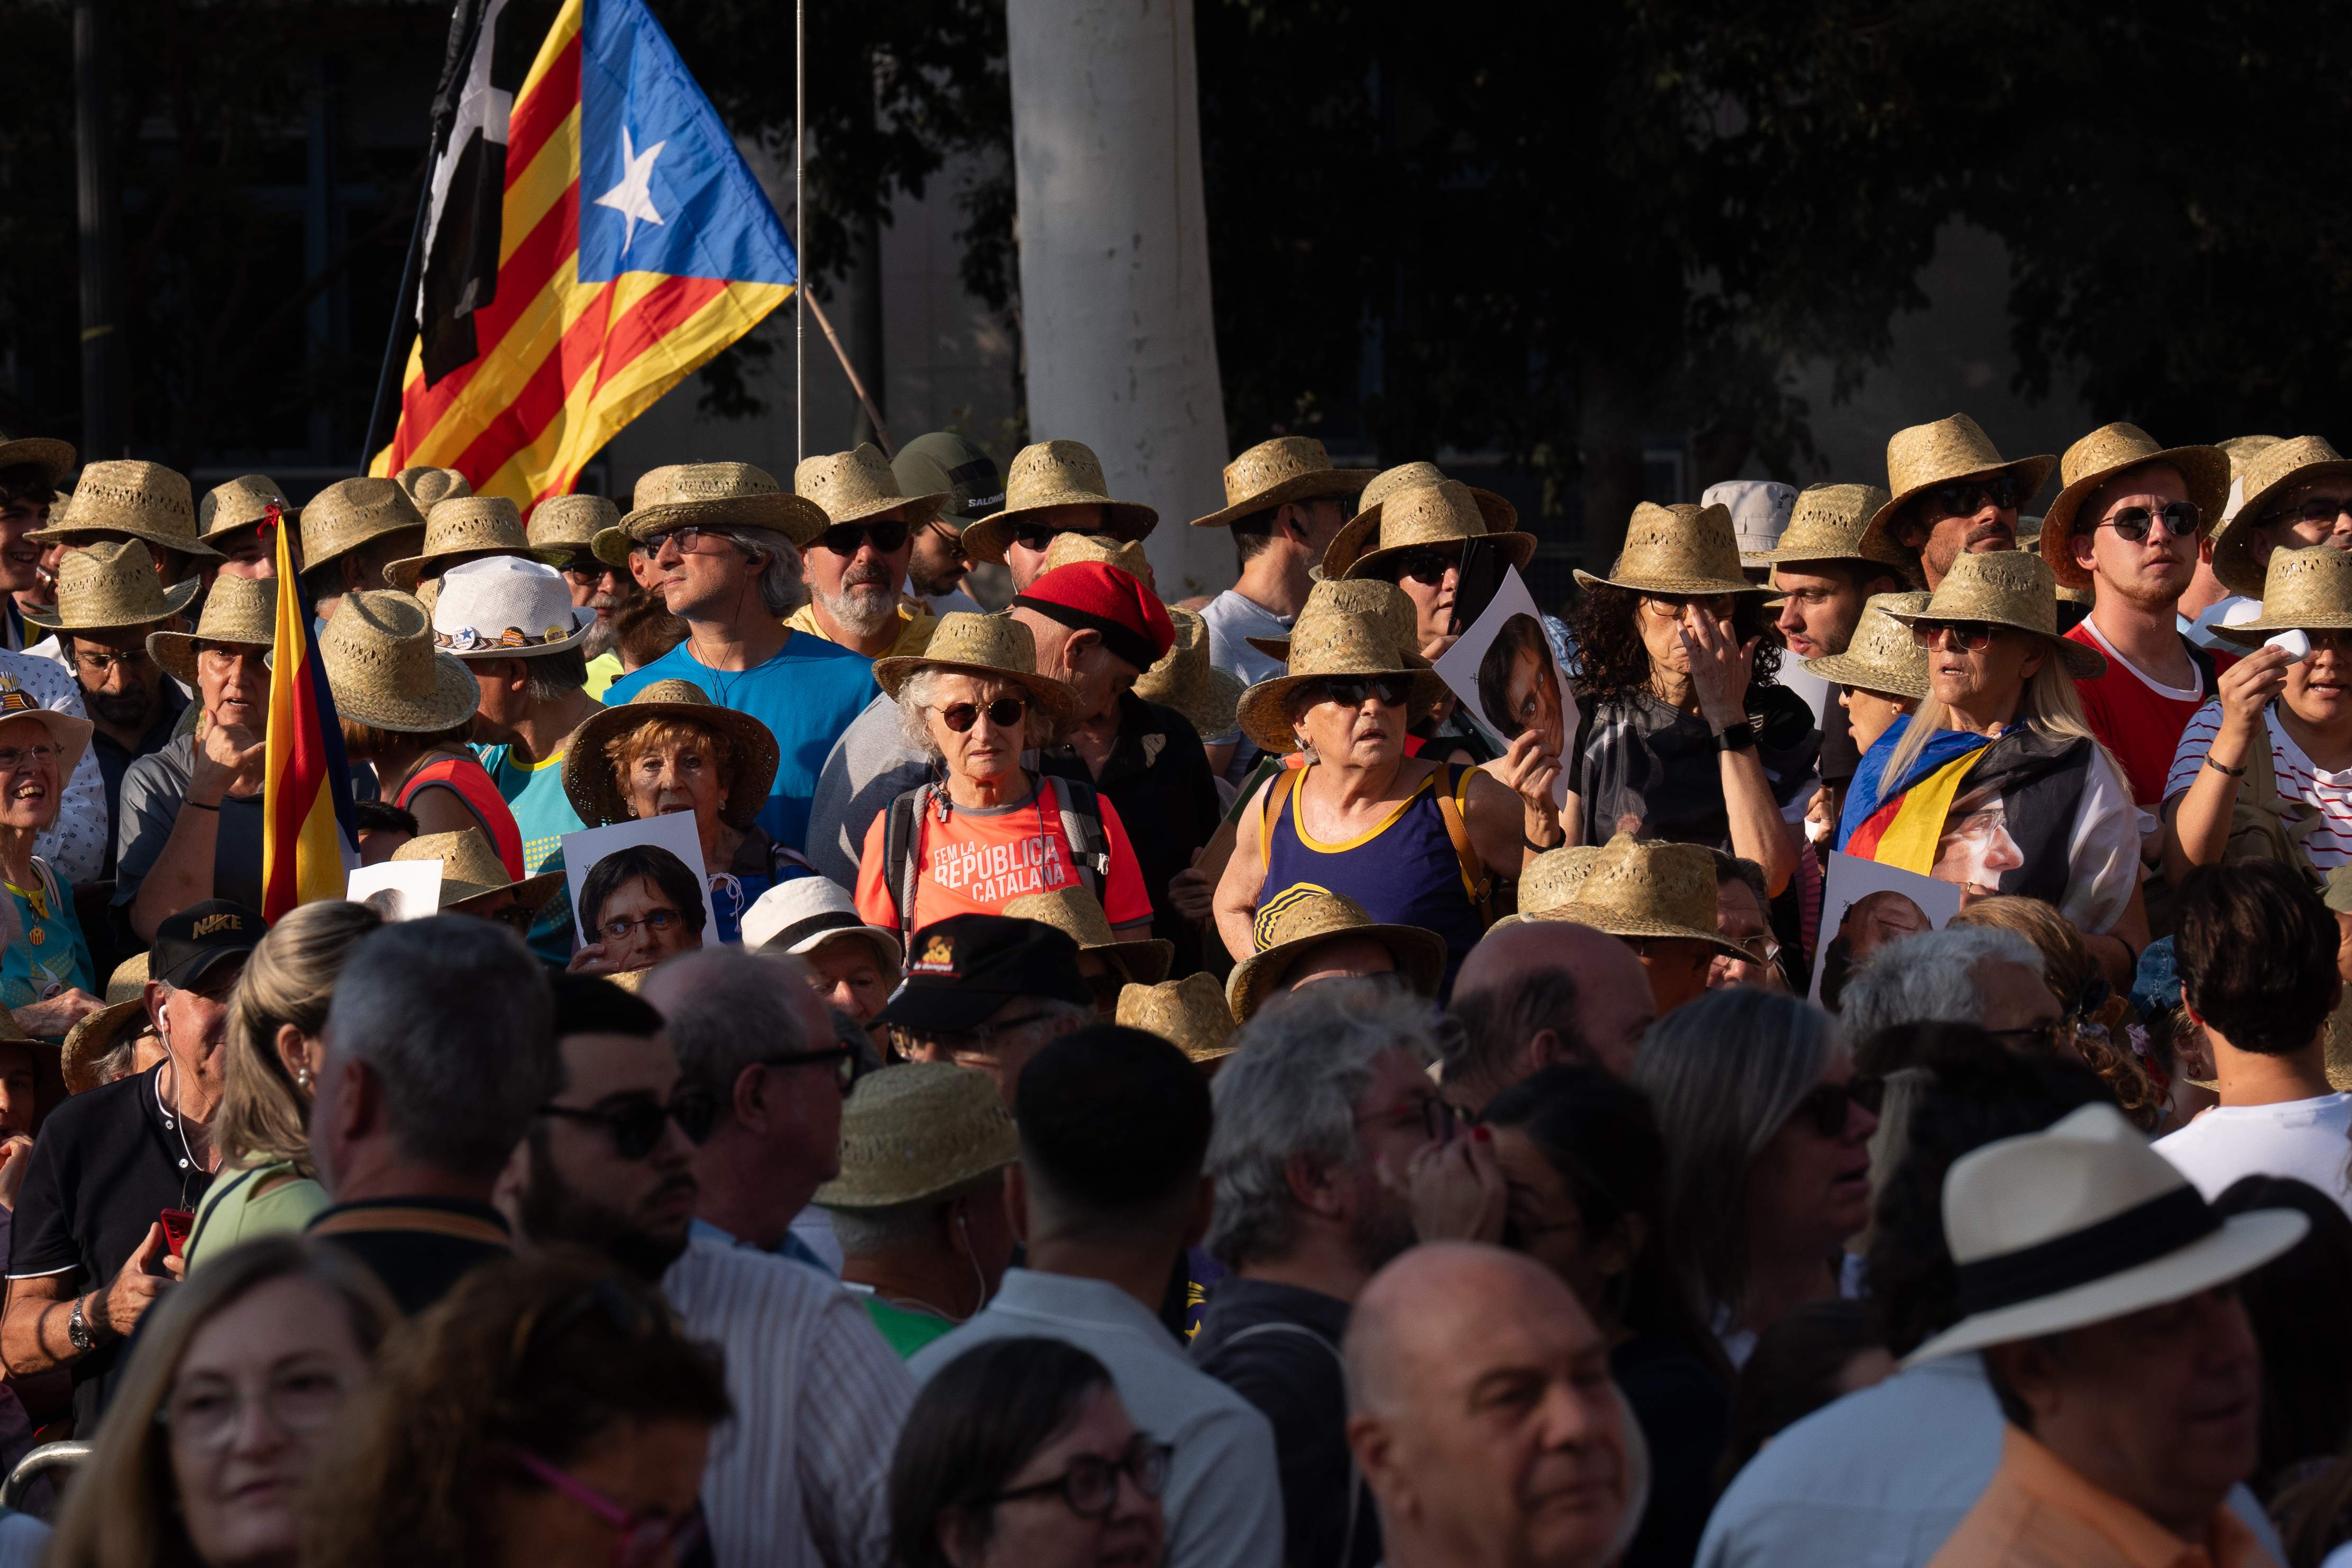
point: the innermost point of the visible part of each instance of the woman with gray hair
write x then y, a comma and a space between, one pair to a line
1767, 1134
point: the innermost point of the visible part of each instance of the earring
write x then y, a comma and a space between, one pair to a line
301, 1078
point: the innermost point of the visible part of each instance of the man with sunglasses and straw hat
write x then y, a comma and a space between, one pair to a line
122, 500
563, 532
856, 569
1284, 503
352, 530
2296, 494
1052, 487
1953, 493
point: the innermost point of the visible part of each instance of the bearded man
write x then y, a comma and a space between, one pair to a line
854, 570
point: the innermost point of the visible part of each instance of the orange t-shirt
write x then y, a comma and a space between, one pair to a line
977, 859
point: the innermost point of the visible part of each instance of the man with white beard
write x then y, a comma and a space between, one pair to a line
854, 570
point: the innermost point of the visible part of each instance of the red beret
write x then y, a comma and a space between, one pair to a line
1133, 623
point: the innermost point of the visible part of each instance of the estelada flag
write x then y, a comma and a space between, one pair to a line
310, 834
631, 242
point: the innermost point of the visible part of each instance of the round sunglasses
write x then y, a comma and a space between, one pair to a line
1003, 713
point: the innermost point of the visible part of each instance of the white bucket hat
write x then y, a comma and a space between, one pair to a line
505, 607
1759, 512
802, 914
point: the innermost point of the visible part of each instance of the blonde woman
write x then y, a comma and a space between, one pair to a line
275, 1016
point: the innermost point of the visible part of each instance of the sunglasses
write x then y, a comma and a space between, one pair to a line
2179, 520
1827, 1106
1352, 690
2312, 509
1038, 536
1965, 498
888, 533
1974, 636
1427, 566
519, 917
1003, 713
634, 1122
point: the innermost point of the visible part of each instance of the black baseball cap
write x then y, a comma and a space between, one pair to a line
960, 972
190, 943
944, 460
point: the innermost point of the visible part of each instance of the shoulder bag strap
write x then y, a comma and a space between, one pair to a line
1285, 784
1451, 800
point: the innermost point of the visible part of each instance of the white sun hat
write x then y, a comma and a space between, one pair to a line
807, 912
505, 607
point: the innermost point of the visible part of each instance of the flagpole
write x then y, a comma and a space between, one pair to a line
800, 230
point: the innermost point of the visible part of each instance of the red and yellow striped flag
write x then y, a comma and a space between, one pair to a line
308, 832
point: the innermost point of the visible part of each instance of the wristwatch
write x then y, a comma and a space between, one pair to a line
78, 1331
1741, 737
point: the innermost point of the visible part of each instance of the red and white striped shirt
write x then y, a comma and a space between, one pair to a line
2330, 844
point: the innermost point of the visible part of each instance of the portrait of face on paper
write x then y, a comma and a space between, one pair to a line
1867, 906
1507, 678
397, 890
639, 889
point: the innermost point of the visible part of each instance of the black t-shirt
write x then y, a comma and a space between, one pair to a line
419, 1247
1840, 758
1686, 1414
105, 1163
1645, 767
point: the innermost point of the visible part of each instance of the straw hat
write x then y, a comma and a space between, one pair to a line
145, 500
1441, 514
129, 980
94, 1038
2007, 588
506, 607
1055, 473
70, 734
461, 526
1306, 917
567, 525
805, 913
1372, 596
428, 488
110, 585
856, 484
471, 868
348, 513
384, 671
2267, 475
1502, 517
240, 609
1922, 456
1185, 680
2307, 590
992, 645
1287, 468
1883, 656
1079, 550
1331, 639
592, 782
1189, 1014
1634, 887
1759, 512
1551, 879
2082, 1223
1834, 522
240, 504
1677, 549
2111, 450
1076, 913
918, 1130
53, 457
710, 495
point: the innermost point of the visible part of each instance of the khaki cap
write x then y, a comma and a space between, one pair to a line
1922, 456
856, 484
348, 513
918, 1130
2007, 588
988, 645
1678, 549
2116, 449
1189, 1014
1078, 915
1055, 473
1409, 518
463, 524
1305, 915
110, 585
1882, 656
591, 779
145, 500
471, 868
241, 611
1287, 468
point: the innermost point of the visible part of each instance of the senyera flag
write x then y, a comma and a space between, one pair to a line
592, 237
308, 834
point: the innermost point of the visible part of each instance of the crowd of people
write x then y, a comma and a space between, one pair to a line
1135, 1082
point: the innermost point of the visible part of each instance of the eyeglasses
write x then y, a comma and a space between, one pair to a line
1428, 565
644, 1538
12, 757
1003, 713
584, 570
1759, 949
2310, 510
1965, 498
1826, 1106
657, 921
1090, 1486
1973, 636
2179, 520
1439, 1118
888, 533
690, 541
846, 1063
2047, 1035
1671, 606
1353, 691
208, 1415
98, 661
634, 1123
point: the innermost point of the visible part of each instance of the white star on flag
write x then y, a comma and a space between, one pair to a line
633, 197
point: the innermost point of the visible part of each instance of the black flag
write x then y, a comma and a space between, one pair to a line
478, 79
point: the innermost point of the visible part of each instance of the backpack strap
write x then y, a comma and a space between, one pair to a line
1452, 799
1081, 812
902, 862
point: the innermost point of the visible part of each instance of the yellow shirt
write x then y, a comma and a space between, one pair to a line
915, 624
2039, 1513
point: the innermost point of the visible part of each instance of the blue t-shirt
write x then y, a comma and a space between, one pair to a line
806, 696
534, 793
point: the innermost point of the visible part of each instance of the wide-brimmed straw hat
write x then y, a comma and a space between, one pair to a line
592, 779
381, 664
1677, 549
94, 1038
2009, 588
240, 609
1184, 680
1550, 880
710, 495
241, 503
1922, 456
1336, 635
145, 500
1189, 1014
428, 488
1502, 517
1374, 596
348, 513
1761, 513
2267, 473
1835, 522
52, 456
1080, 550
110, 585
1634, 887
1445, 513
506, 607
1055, 473
70, 734
918, 1130
2083, 1223
2307, 590
1301, 918
1882, 656
1287, 468
568, 525
1078, 915
995, 646
853, 486
2116, 449
463, 524
471, 868
807, 912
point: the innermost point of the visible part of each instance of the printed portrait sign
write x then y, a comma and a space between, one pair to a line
397, 890
1508, 681
1864, 906
651, 901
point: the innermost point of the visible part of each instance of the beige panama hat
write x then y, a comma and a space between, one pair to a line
240, 609
70, 734
568, 525
145, 500
1300, 918
2007, 588
1055, 473
242, 503
385, 673
1189, 1014
463, 524
1184, 680
2307, 590
2266, 475
989, 646
348, 513
1677, 549
710, 495
1287, 468
1922, 456
1634, 887
471, 868
2116, 449
1502, 517
1441, 514
1336, 635
110, 585
428, 488
1883, 655
2083, 1223
1834, 522
856, 484
52, 456
90, 1040
591, 779
918, 1130
1076, 913
1076, 549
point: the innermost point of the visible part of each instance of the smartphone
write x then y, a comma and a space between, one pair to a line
177, 1223
1483, 567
